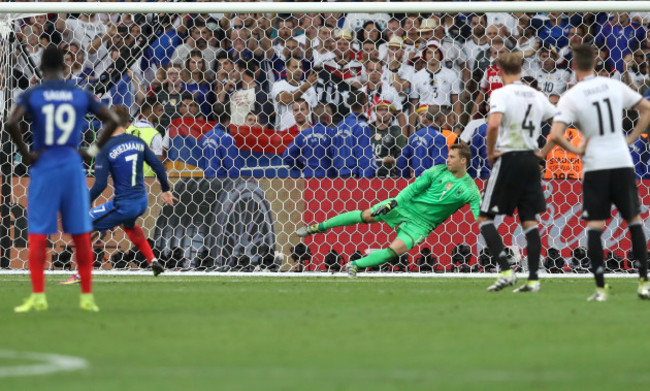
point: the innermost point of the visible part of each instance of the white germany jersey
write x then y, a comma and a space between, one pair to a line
595, 106
435, 88
523, 108
552, 83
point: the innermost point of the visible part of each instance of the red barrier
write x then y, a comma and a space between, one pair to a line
560, 226
262, 140
190, 126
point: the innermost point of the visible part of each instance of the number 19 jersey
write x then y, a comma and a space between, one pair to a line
595, 105
523, 108
56, 110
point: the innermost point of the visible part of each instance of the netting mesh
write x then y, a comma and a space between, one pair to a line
282, 92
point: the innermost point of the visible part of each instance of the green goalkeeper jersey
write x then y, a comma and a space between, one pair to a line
437, 194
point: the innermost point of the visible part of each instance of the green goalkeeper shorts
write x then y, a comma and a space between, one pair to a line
409, 231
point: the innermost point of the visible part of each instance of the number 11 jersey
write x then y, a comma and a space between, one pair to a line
595, 106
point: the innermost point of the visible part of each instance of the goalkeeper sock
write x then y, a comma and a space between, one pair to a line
376, 258
639, 248
595, 254
347, 218
85, 257
137, 237
495, 244
37, 252
533, 248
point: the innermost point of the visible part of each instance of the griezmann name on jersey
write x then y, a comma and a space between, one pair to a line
123, 157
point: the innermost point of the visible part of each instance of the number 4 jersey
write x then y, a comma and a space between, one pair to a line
595, 105
123, 157
523, 108
56, 110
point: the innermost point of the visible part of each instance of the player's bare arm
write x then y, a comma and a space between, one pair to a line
492, 132
557, 138
13, 127
168, 198
643, 107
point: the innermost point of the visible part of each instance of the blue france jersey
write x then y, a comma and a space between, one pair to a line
56, 109
122, 157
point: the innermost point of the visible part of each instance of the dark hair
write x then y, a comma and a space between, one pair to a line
245, 67
531, 81
584, 57
222, 113
294, 58
123, 114
224, 55
52, 59
149, 104
299, 101
357, 100
301, 254
463, 151
187, 96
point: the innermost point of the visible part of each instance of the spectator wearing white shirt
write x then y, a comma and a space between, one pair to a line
503, 19
324, 50
83, 29
551, 80
198, 39
378, 91
635, 73
356, 21
435, 84
432, 29
474, 45
396, 71
285, 92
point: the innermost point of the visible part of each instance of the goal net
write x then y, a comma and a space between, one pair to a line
271, 120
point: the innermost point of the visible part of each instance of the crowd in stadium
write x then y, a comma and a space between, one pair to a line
328, 95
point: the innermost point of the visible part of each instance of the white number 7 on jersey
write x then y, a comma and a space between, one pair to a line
134, 162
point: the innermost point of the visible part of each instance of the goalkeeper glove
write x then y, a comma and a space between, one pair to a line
384, 209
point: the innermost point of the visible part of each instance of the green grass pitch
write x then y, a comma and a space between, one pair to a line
230, 333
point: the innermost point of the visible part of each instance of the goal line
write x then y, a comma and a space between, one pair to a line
142, 273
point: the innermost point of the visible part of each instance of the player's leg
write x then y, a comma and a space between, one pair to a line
76, 221
409, 235
103, 217
500, 197
43, 202
531, 203
37, 253
626, 199
84, 252
344, 219
640, 251
507, 276
533, 250
127, 214
597, 209
595, 254
136, 235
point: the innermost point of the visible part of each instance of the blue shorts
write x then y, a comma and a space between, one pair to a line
58, 188
118, 212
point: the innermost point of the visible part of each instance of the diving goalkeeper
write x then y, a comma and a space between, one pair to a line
416, 211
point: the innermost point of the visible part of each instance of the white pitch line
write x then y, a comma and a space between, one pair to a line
46, 363
170, 273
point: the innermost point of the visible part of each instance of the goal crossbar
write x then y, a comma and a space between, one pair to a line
319, 7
